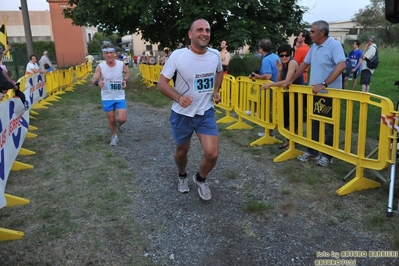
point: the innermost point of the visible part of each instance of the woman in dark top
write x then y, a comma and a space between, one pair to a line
287, 68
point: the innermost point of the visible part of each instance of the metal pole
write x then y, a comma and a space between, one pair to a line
28, 32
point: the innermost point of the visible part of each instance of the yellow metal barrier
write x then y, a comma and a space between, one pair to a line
255, 105
227, 94
80, 72
70, 80
89, 67
52, 85
64, 81
326, 109
145, 72
157, 72
151, 71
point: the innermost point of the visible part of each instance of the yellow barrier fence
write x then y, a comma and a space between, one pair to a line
254, 105
80, 72
348, 145
227, 94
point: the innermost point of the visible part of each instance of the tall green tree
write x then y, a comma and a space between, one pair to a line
167, 22
372, 19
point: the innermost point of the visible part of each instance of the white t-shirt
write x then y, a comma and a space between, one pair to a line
30, 66
369, 53
195, 77
113, 77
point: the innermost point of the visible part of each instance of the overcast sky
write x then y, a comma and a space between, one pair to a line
328, 10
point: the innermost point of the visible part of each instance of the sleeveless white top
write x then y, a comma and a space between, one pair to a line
113, 77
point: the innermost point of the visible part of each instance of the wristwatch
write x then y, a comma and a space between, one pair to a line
324, 84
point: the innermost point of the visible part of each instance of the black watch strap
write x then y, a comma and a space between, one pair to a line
324, 84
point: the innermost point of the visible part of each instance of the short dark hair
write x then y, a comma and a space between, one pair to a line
357, 42
266, 45
32, 55
285, 48
192, 23
306, 35
46, 66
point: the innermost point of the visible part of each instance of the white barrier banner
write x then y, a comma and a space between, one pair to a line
35, 89
14, 122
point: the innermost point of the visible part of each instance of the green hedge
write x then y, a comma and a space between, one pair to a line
243, 65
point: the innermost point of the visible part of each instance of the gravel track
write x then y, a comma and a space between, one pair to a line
184, 230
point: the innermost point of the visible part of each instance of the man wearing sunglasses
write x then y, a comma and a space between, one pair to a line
111, 76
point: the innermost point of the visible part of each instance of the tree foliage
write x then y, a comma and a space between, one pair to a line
94, 45
166, 22
372, 19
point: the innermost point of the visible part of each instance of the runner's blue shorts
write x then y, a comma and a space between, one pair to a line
183, 126
111, 105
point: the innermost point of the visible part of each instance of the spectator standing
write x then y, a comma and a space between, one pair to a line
287, 69
302, 48
111, 76
268, 69
355, 57
143, 58
151, 59
327, 60
294, 45
199, 78
45, 60
165, 57
224, 53
369, 52
89, 59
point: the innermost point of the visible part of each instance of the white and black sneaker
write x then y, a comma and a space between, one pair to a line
203, 188
114, 141
182, 186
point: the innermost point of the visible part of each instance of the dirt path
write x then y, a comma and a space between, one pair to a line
184, 230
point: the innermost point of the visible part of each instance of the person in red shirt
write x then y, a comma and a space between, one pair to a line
302, 48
